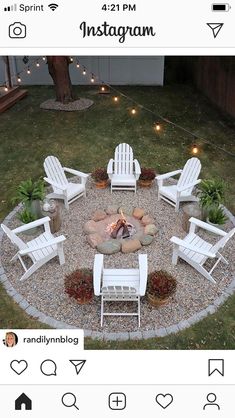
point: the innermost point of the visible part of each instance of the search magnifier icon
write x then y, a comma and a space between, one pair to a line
69, 399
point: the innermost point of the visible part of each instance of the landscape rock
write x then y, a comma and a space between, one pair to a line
131, 246
146, 239
94, 240
127, 210
138, 213
90, 227
150, 229
99, 215
146, 220
109, 247
111, 210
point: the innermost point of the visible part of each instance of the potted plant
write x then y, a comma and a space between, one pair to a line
79, 285
26, 216
146, 177
216, 216
160, 287
211, 196
211, 193
31, 194
100, 177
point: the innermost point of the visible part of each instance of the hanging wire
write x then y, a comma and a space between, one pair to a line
118, 94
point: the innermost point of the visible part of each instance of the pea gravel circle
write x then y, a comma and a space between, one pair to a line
43, 297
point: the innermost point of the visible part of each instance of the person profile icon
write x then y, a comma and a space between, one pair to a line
211, 398
11, 339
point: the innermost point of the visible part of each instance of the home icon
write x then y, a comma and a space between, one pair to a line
23, 400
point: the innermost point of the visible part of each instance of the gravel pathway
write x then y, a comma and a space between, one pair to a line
45, 289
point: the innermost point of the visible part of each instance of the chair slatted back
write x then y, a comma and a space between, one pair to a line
223, 241
190, 173
13, 237
123, 159
54, 170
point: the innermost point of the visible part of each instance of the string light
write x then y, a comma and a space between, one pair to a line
78, 65
115, 99
157, 126
6, 88
92, 78
28, 71
19, 78
133, 111
37, 64
102, 88
44, 58
84, 71
71, 59
195, 149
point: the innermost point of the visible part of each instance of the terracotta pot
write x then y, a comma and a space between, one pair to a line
101, 184
155, 301
145, 183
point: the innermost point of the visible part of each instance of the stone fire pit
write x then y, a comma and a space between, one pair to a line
106, 235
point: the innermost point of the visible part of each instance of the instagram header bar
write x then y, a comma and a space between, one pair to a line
204, 27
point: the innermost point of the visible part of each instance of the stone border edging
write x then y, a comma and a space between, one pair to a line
111, 336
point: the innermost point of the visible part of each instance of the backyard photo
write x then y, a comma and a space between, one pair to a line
118, 199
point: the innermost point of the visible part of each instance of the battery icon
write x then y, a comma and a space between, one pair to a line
220, 7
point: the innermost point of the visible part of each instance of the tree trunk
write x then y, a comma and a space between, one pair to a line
59, 71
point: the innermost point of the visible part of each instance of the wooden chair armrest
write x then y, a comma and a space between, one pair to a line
143, 268
75, 172
53, 241
137, 169
207, 227
182, 243
31, 225
168, 175
97, 273
110, 167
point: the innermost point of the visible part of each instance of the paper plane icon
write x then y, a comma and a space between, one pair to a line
215, 27
78, 364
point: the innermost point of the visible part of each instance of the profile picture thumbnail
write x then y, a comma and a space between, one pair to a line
10, 340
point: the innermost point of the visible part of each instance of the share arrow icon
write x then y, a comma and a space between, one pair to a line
215, 27
78, 364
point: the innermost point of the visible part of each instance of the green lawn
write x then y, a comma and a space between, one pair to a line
87, 139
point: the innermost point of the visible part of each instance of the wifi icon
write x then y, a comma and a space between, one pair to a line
53, 6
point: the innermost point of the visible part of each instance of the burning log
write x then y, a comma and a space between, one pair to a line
121, 223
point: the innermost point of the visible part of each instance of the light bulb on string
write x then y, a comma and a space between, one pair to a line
92, 78
102, 89
157, 126
195, 149
37, 64
6, 88
28, 71
133, 111
44, 58
78, 65
115, 99
19, 79
84, 71
71, 59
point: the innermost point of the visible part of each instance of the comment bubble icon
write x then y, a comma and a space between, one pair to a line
48, 367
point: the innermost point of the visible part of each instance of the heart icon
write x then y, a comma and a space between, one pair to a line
19, 366
164, 400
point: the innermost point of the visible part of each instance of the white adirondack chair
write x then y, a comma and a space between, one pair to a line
123, 171
62, 188
40, 249
120, 285
182, 191
196, 251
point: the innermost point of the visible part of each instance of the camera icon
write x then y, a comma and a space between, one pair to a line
17, 30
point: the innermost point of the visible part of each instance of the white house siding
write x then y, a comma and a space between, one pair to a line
112, 70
